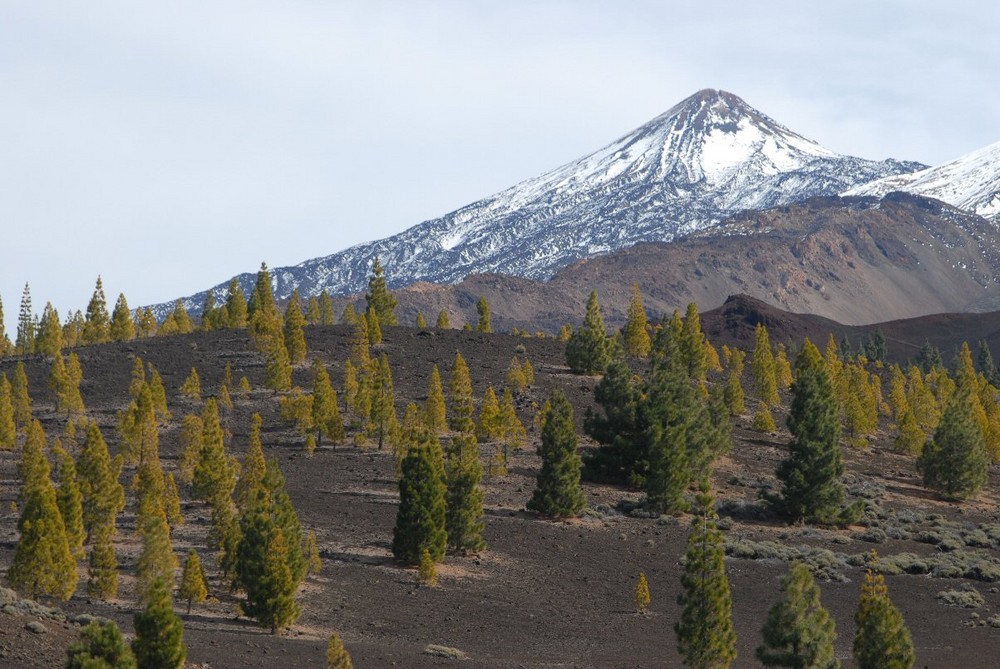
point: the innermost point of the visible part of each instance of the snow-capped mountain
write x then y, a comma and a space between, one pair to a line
971, 182
707, 157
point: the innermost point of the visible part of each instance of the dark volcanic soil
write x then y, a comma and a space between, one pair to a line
545, 594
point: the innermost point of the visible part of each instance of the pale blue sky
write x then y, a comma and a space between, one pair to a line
169, 146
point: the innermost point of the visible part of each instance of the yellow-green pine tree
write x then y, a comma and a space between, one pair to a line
313, 316
49, 340
103, 495
122, 326
295, 338
159, 395
97, 324
443, 322
311, 553
8, 427
254, 465
326, 315
20, 397
485, 323
325, 409
460, 401
635, 334
70, 500
192, 443
191, 388
733, 393
193, 587
421, 322
436, 413
379, 298
383, 423
762, 365
43, 563
172, 501
642, 598
374, 327
102, 567
236, 306
489, 427
337, 656
783, 368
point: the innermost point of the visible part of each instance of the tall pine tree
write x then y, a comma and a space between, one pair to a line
798, 632
588, 350
881, 639
159, 633
378, 296
557, 489
706, 638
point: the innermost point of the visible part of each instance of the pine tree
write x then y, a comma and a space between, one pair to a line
122, 327
192, 443
214, 478
557, 488
254, 465
8, 427
374, 327
911, 438
5, 346
295, 338
436, 414
278, 367
25, 342
443, 322
705, 635
312, 314
383, 423
513, 435
172, 501
464, 518
798, 632
49, 339
191, 388
102, 568
20, 397
159, 633
516, 378
43, 563
735, 397
378, 296
783, 369
348, 316
427, 571
193, 588
159, 395
623, 454
588, 348
325, 409
103, 495
326, 315
337, 656
286, 519
420, 519
485, 323
211, 315
677, 428
70, 501
635, 335
692, 344
101, 646
881, 639
96, 327
763, 421
954, 462
762, 365
642, 598
236, 306
311, 551
145, 323
810, 475
263, 566
489, 428
460, 401
261, 302
157, 561
421, 321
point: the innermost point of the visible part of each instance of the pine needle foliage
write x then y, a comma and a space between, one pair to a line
763, 367
8, 426
420, 518
337, 656
378, 296
191, 388
295, 337
485, 322
798, 632
705, 634
159, 634
193, 587
101, 646
881, 638
557, 488
636, 341
436, 413
588, 350
642, 597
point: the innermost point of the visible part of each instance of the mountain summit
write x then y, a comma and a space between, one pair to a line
707, 157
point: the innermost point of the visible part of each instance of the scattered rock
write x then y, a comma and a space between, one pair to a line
445, 651
36, 627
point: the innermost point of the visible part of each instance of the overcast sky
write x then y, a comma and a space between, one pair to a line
170, 145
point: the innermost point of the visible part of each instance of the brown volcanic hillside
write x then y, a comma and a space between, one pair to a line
855, 261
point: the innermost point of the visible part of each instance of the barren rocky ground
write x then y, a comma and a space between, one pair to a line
544, 594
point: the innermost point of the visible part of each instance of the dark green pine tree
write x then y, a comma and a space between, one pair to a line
678, 428
623, 454
588, 350
810, 475
464, 517
378, 296
881, 639
557, 490
287, 519
420, 520
159, 634
101, 646
955, 462
706, 638
25, 342
798, 633
985, 363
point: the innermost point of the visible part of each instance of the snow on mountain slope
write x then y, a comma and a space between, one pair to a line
971, 182
709, 156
